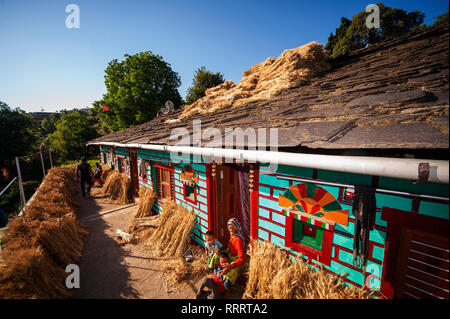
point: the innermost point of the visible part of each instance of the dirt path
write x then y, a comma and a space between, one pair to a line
109, 270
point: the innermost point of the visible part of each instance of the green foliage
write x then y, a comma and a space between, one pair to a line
441, 19
18, 134
91, 162
10, 200
137, 88
203, 80
73, 130
354, 34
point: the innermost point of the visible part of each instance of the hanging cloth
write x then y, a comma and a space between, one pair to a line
364, 209
142, 169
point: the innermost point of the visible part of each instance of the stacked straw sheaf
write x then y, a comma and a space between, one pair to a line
171, 238
293, 68
43, 241
115, 187
272, 275
146, 200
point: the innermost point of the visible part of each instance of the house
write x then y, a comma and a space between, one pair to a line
377, 118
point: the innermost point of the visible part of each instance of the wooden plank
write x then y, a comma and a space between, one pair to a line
438, 272
429, 288
428, 259
427, 277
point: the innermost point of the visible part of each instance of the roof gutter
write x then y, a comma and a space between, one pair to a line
403, 168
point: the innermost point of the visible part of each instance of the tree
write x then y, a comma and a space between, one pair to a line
393, 24
137, 88
18, 134
72, 132
441, 19
203, 80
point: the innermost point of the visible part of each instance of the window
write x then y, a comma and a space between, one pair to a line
121, 167
164, 182
190, 193
310, 236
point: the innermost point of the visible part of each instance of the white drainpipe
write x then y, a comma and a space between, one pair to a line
403, 168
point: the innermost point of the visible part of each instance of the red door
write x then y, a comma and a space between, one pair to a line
226, 186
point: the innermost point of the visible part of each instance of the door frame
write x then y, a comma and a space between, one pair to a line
134, 173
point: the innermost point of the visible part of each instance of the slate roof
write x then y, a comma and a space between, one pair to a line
393, 94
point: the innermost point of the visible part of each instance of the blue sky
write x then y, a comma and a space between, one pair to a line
45, 65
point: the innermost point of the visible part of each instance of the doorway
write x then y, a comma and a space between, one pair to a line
134, 172
231, 199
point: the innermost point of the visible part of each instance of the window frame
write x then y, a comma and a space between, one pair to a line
193, 201
322, 255
158, 178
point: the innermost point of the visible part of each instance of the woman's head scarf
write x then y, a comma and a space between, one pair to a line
237, 225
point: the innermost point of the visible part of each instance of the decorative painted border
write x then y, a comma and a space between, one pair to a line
310, 219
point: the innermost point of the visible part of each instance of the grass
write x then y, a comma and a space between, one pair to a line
89, 161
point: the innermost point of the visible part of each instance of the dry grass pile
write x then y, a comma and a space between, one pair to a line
115, 188
273, 276
43, 241
146, 200
293, 68
171, 238
142, 228
179, 273
106, 171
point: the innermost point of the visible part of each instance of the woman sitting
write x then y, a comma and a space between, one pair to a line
236, 251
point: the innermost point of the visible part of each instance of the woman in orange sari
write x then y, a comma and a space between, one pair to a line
236, 251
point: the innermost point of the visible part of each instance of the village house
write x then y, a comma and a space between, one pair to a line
368, 132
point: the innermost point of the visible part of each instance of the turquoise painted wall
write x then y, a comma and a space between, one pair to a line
271, 221
200, 206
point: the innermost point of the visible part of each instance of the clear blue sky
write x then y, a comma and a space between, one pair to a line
44, 64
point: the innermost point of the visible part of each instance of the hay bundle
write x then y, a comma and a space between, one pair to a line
142, 228
146, 200
32, 275
293, 68
171, 238
62, 239
40, 243
273, 275
106, 171
115, 188
178, 273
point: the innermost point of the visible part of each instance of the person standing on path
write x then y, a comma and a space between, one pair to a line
84, 175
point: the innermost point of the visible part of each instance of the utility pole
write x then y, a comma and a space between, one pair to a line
21, 192
42, 161
50, 155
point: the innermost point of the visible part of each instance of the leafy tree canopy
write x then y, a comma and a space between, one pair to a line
18, 133
203, 80
73, 130
354, 34
441, 19
137, 88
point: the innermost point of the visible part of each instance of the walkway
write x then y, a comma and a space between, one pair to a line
108, 270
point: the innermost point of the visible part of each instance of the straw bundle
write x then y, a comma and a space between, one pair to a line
293, 68
40, 243
115, 188
171, 238
106, 171
142, 228
146, 200
179, 273
273, 275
